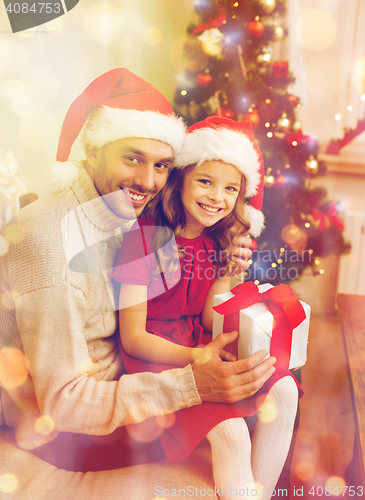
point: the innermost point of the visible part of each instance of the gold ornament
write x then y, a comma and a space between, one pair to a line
311, 165
268, 5
264, 58
278, 33
269, 180
297, 126
284, 122
212, 41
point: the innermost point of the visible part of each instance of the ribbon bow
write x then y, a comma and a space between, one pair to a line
213, 23
285, 307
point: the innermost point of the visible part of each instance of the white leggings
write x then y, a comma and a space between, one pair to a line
238, 462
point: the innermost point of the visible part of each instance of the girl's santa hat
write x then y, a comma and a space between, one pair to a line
218, 138
116, 105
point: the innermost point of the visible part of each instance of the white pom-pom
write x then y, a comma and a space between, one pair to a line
256, 219
63, 174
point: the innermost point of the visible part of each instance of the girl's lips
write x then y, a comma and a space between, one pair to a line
209, 209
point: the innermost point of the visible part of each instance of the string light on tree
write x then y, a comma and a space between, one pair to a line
234, 42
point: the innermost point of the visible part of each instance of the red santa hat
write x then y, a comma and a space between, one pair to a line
218, 138
116, 105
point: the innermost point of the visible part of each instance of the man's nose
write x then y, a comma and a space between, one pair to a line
145, 177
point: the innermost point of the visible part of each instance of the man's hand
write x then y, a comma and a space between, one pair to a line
220, 382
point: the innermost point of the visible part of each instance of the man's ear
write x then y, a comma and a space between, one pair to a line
92, 154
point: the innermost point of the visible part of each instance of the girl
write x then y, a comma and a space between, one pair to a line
216, 170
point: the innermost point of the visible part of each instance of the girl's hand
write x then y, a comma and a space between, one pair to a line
241, 251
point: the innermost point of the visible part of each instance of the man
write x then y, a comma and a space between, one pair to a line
58, 317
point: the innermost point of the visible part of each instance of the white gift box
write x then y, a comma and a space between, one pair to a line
255, 329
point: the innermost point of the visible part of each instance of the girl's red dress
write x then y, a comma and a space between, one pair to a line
173, 313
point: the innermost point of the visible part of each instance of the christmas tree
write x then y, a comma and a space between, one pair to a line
231, 72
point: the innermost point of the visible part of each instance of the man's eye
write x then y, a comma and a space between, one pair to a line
132, 159
161, 166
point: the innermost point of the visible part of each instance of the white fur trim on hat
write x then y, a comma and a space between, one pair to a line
108, 124
63, 174
208, 144
256, 219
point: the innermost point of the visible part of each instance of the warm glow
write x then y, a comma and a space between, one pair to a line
326, 73
55, 26
304, 471
44, 425
104, 23
358, 76
267, 412
338, 117
166, 421
336, 482
145, 432
152, 36
15, 233
37, 128
4, 246
205, 356
291, 234
13, 368
316, 30
8, 483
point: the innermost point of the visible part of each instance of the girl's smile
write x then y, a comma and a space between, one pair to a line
208, 194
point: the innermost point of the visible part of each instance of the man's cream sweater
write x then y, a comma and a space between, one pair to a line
61, 314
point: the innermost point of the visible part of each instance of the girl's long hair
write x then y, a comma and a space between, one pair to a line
167, 210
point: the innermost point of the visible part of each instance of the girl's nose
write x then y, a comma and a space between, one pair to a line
216, 195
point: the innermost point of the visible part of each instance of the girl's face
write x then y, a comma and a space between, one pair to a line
208, 194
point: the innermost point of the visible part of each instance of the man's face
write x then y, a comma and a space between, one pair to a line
133, 169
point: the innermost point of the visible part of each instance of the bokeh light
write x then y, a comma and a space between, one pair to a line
145, 432
7, 300
291, 234
22, 105
316, 30
267, 412
104, 23
152, 36
166, 421
336, 482
44, 425
14, 59
15, 233
56, 25
204, 357
358, 75
13, 368
42, 86
4, 245
8, 482
38, 128
304, 470
323, 75
13, 88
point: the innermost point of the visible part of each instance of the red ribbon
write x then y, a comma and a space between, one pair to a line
213, 23
324, 220
285, 307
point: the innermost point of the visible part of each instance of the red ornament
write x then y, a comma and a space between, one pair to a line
253, 117
253, 245
280, 69
203, 79
227, 113
293, 99
256, 28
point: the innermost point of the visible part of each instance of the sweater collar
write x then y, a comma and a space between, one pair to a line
93, 206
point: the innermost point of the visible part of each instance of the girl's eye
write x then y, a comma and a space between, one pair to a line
205, 182
232, 189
